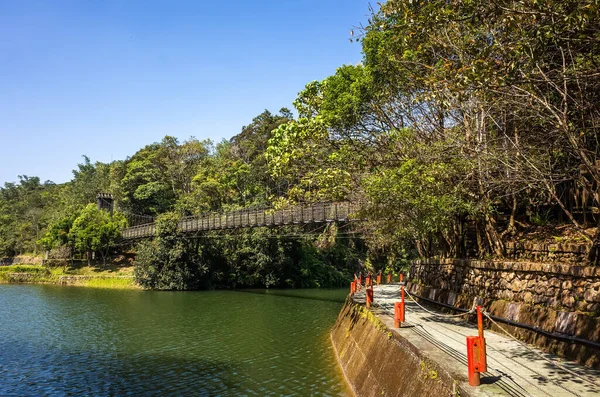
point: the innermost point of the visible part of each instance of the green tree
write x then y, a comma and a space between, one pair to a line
168, 262
94, 230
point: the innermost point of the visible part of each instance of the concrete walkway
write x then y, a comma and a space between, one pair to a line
513, 370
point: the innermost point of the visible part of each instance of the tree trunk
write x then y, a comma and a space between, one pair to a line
593, 257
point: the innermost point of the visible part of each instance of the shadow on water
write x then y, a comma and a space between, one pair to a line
79, 372
310, 294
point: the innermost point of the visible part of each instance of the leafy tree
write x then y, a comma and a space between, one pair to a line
94, 230
168, 262
157, 175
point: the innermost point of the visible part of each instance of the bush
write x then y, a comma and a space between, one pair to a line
168, 262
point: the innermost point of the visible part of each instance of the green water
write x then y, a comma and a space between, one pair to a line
69, 341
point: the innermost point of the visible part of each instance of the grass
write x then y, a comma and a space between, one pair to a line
106, 282
20, 268
94, 277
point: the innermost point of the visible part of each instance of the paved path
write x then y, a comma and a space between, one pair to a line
513, 369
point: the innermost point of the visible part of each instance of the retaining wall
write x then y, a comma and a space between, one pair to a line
573, 253
377, 362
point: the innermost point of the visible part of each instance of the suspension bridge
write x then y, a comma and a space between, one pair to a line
328, 212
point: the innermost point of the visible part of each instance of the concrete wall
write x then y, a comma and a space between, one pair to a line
377, 362
559, 298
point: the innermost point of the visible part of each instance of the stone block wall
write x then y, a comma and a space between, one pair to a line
573, 253
558, 298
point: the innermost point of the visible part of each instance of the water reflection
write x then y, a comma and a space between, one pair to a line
73, 341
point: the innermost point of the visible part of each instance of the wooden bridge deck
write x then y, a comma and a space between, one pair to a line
315, 213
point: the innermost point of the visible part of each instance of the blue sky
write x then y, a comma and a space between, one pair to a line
104, 78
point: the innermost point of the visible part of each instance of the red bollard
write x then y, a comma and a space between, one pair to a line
389, 278
476, 354
402, 293
398, 314
481, 337
401, 277
369, 297
399, 308
378, 279
352, 287
474, 359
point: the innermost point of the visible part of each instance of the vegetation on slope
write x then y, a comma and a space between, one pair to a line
466, 125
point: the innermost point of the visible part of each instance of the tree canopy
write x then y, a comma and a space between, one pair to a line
467, 124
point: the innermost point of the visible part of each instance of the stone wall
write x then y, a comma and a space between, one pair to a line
559, 298
573, 253
377, 362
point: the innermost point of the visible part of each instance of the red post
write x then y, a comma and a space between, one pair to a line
389, 278
476, 354
401, 277
473, 364
369, 296
378, 278
398, 314
483, 359
352, 287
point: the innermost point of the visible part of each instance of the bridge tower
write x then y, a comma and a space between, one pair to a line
105, 202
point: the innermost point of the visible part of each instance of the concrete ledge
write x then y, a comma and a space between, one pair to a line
379, 362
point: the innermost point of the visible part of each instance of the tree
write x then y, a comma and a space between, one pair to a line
95, 231
155, 177
168, 262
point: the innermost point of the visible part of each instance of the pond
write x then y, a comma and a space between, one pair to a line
67, 341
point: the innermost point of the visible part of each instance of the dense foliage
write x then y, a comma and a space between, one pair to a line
168, 262
466, 124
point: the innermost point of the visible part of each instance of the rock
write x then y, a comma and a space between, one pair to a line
517, 285
593, 307
555, 282
568, 301
592, 295
538, 299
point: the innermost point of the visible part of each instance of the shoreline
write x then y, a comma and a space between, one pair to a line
83, 277
106, 282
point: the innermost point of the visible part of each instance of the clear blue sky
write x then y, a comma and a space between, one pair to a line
104, 78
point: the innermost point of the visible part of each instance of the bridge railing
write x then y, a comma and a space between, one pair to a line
311, 213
